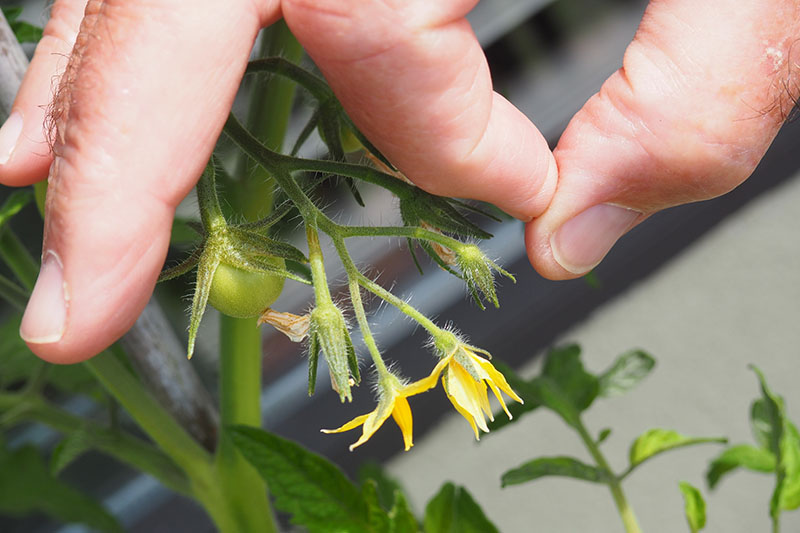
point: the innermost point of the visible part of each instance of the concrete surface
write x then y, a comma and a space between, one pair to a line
730, 299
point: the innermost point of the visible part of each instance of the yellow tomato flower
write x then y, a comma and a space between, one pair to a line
392, 401
465, 376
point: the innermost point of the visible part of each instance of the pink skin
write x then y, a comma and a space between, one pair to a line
151, 82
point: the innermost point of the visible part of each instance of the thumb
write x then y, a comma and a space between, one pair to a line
701, 94
144, 97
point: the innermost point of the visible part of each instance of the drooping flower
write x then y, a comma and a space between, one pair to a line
466, 372
392, 400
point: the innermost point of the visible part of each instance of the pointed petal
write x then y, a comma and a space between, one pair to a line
402, 415
374, 421
354, 423
500, 380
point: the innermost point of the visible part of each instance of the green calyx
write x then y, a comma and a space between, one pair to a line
329, 334
240, 271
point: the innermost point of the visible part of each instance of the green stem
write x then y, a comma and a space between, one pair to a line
168, 435
624, 509
158, 424
287, 69
268, 119
409, 232
122, 446
240, 403
321, 291
13, 293
18, 259
210, 211
353, 275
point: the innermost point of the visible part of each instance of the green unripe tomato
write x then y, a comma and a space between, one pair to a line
242, 294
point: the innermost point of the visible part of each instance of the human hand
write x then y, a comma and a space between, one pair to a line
149, 84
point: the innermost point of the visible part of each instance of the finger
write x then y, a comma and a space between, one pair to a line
703, 90
24, 150
413, 78
140, 106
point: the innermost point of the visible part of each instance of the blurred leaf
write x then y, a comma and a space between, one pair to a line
772, 427
385, 485
563, 365
761, 423
403, 520
627, 371
27, 487
553, 466
69, 449
694, 507
592, 280
25, 32
14, 204
549, 394
790, 462
657, 441
453, 510
376, 515
310, 488
17, 363
604, 434
742, 455
185, 231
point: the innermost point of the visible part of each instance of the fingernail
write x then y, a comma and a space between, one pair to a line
583, 241
46, 315
9, 135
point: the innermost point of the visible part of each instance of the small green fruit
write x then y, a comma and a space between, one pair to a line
242, 294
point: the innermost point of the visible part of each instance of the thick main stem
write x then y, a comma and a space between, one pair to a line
240, 403
624, 509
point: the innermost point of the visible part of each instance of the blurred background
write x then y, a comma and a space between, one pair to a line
705, 288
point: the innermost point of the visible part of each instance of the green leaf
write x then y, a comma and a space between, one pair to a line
27, 487
11, 13
761, 423
694, 507
742, 455
790, 463
553, 466
311, 489
25, 32
627, 371
386, 486
14, 204
69, 449
376, 516
563, 365
657, 441
550, 395
453, 510
772, 427
403, 519
17, 364
604, 434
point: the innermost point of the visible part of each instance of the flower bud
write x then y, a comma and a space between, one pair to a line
478, 271
329, 332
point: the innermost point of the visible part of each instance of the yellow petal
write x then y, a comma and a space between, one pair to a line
357, 421
402, 415
466, 415
374, 421
500, 380
464, 391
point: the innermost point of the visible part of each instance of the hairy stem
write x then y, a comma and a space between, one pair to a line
358, 306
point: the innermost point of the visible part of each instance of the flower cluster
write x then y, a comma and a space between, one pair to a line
465, 374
